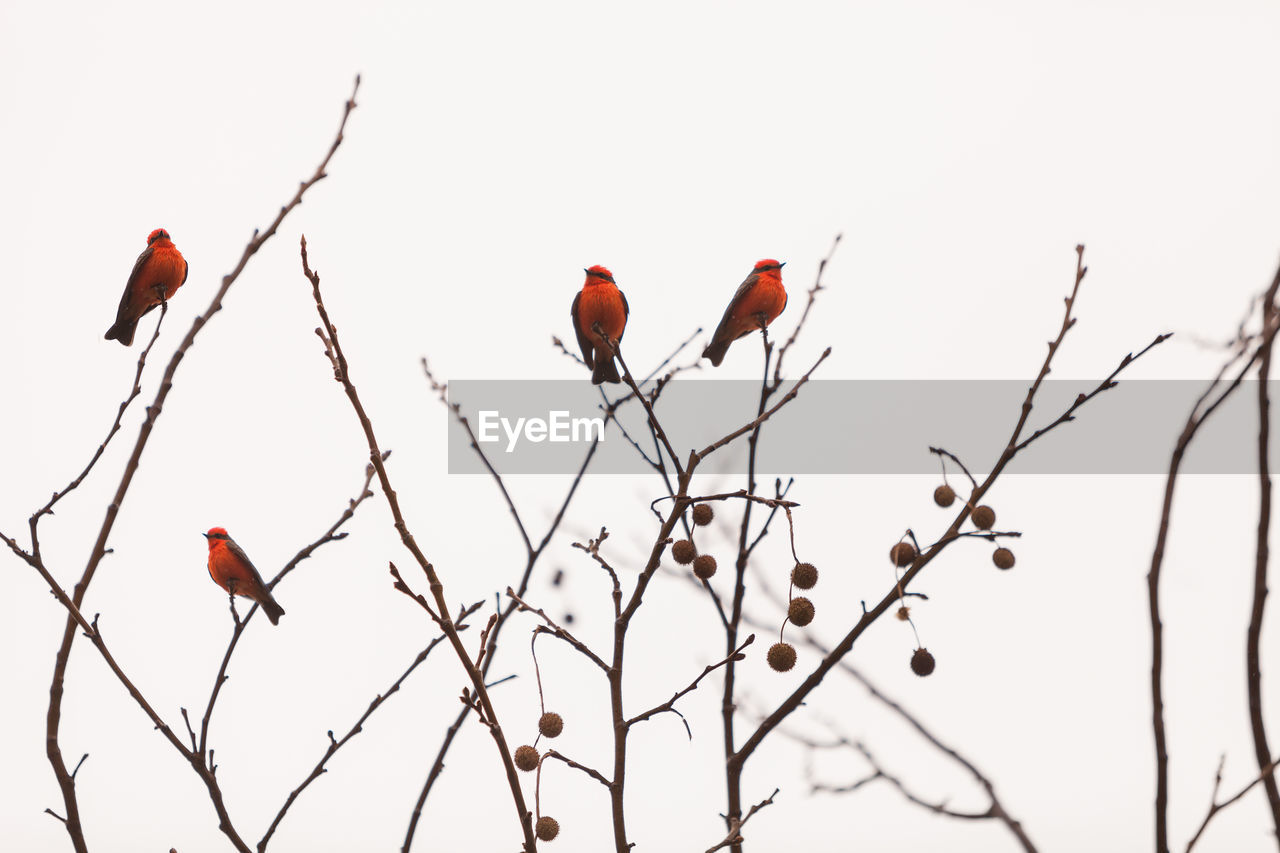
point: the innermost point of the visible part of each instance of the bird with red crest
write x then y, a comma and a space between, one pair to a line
757, 303
599, 302
157, 274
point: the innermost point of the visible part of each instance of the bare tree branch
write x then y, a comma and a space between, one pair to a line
54, 719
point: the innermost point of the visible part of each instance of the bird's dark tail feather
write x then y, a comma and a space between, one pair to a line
605, 371
715, 352
122, 332
274, 611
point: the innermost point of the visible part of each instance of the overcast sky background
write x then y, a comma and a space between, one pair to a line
962, 149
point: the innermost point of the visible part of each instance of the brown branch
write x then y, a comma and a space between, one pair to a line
1204, 406
996, 809
329, 334
54, 718
644, 400
1215, 806
592, 548
893, 596
938, 808
670, 704
441, 391
804, 315
556, 630
335, 745
594, 774
437, 766
735, 825
134, 391
1253, 652
743, 430
330, 535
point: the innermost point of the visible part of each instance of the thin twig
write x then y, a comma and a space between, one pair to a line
337, 744
735, 825
1253, 643
54, 717
1215, 806
670, 704
329, 334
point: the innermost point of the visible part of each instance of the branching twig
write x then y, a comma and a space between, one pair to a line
54, 718
1253, 644
329, 334
670, 704
1215, 806
594, 774
735, 825
337, 744
557, 631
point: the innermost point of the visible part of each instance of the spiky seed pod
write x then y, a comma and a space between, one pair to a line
704, 566
526, 758
903, 613
683, 552
800, 611
550, 724
702, 514
902, 554
547, 828
781, 656
944, 496
922, 662
1003, 558
984, 517
804, 576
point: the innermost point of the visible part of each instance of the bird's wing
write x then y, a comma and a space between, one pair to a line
127, 298
738, 296
588, 352
239, 553
626, 312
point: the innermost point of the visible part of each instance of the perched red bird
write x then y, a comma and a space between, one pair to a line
599, 302
157, 274
757, 303
231, 569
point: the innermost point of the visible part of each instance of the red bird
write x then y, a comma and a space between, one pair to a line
231, 569
157, 274
599, 302
757, 303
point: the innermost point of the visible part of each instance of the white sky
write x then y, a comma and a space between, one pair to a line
963, 151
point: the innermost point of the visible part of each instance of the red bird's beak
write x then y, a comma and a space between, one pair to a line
205, 535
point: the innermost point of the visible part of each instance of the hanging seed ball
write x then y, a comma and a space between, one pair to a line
1003, 558
683, 552
800, 611
550, 724
922, 662
804, 575
944, 495
702, 514
526, 758
984, 517
781, 656
902, 554
547, 828
704, 566
904, 613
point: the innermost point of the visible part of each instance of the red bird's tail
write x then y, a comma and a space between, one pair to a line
716, 350
274, 611
605, 370
122, 331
